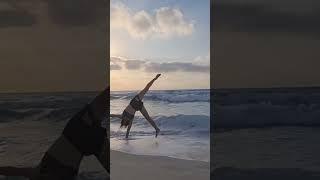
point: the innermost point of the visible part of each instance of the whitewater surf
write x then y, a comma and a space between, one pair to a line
182, 115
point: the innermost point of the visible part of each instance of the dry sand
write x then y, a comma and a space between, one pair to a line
138, 167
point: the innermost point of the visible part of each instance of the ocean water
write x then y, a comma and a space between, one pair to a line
30, 123
182, 115
266, 133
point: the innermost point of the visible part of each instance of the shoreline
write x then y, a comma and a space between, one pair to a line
170, 157
140, 167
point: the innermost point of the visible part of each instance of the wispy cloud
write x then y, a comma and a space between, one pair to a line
175, 66
164, 22
115, 67
134, 64
114, 63
148, 66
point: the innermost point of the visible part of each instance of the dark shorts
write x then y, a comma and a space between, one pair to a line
136, 103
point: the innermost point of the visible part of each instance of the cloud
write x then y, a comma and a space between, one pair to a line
114, 63
115, 67
172, 20
163, 23
203, 60
116, 59
148, 66
175, 67
134, 64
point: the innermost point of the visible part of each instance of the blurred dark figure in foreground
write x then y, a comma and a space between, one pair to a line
83, 135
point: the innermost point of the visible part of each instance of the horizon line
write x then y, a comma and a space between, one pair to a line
211, 88
90, 91
164, 89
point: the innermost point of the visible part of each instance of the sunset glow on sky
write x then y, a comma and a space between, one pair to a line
171, 37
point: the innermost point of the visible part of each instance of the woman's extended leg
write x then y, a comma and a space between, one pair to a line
145, 113
15, 171
146, 89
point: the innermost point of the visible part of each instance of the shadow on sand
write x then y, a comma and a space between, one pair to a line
229, 173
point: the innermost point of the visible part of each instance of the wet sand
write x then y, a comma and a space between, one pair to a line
139, 167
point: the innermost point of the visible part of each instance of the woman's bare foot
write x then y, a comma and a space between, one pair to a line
157, 132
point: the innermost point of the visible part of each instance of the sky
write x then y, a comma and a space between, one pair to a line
265, 43
171, 37
48, 45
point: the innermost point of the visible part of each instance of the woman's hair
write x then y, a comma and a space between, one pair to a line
124, 123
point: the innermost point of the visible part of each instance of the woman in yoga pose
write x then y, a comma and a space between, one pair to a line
135, 105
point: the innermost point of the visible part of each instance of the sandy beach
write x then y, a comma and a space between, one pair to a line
140, 167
